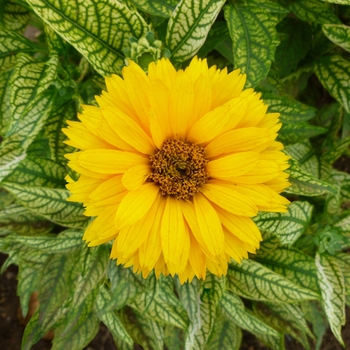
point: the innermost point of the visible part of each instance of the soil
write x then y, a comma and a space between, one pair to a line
11, 328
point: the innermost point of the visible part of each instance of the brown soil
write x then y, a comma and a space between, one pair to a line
11, 329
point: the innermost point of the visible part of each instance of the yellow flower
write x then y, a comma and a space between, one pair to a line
174, 165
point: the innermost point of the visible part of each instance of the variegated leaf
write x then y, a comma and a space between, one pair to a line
160, 8
189, 25
333, 72
287, 226
292, 264
254, 37
49, 202
332, 286
255, 281
313, 11
339, 34
303, 183
99, 31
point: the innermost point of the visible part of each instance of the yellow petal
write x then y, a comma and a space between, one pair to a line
202, 94
236, 164
81, 137
230, 200
118, 96
242, 227
135, 205
227, 86
209, 225
197, 67
191, 219
82, 188
215, 122
103, 225
106, 161
128, 130
181, 105
174, 237
237, 140
73, 164
264, 171
158, 113
132, 237
197, 258
136, 176
137, 86
91, 118
151, 248
162, 70
109, 192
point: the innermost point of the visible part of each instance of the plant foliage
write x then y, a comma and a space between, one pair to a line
295, 52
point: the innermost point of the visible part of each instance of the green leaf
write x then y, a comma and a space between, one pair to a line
225, 335
32, 332
295, 43
287, 226
343, 260
12, 43
212, 290
233, 308
11, 154
160, 8
282, 318
5, 116
173, 338
255, 281
99, 31
339, 34
313, 11
22, 221
28, 277
303, 183
341, 2
144, 330
50, 203
189, 25
305, 154
218, 33
66, 241
291, 133
79, 326
95, 262
333, 73
111, 318
30, 99
14, 16
291, 111
332, 286
53, 127
158, 303
254, 37
54, 288
339, 177
337, 150
38, 172
292, 264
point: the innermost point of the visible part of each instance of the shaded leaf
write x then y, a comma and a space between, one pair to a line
333, 73
161, 8
254, 38
339, 34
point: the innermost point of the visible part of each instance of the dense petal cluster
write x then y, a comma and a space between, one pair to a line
173, 165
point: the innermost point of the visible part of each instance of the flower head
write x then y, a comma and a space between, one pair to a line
174, 165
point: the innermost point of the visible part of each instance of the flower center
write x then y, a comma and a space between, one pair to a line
179, 168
